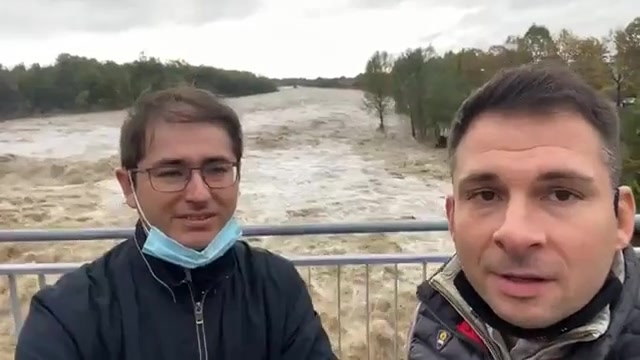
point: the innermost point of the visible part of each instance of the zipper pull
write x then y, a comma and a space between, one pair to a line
199, 313
187, 273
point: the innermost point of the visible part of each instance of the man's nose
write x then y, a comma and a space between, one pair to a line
519, 232
197, 190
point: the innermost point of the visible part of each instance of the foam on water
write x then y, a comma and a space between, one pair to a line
80, 136
335, 183
311, 155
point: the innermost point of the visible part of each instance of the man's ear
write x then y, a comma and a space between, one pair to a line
626, 216
450, 209
127, 187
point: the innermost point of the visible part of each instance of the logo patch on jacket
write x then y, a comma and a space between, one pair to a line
442, 339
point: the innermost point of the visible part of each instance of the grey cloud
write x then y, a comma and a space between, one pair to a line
45, 17
505, 5
376, 3
429, 38
492, 22
538, 4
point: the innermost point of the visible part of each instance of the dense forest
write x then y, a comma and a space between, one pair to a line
428, 87
79, 84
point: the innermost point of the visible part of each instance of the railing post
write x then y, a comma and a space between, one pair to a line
16, 308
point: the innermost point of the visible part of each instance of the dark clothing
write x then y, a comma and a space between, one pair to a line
249, 304
441, 332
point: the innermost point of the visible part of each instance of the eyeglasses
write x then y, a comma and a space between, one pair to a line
175, 178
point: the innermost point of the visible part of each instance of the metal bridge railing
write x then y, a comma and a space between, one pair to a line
339, 263
305, 264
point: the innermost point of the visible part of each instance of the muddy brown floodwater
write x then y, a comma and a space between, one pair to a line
312, 155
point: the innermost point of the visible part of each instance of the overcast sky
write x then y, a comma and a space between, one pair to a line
282, 38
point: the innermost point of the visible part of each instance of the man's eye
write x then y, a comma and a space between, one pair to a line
216, 170
169, 172
484, 195
562, 195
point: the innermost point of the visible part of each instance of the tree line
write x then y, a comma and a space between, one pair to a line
342, 82
80, 84
75, 84
428, 87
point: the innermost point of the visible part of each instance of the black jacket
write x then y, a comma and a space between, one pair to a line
249, 304
435, 315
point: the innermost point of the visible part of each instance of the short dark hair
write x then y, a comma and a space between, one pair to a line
165, 105
542, 88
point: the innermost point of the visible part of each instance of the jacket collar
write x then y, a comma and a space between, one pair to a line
630, 296
622, 313
615, 317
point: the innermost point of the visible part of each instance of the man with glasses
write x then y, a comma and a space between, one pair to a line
184, 287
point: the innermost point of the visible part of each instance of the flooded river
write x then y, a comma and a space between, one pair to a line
312, 155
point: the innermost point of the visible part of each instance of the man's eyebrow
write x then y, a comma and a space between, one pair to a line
217, 159
479, 177
182, 162
167, 162
570, 175
551, 175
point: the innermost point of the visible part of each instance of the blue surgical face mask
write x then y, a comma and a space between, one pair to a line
161, 246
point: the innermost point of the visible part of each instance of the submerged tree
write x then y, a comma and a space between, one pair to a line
376, 83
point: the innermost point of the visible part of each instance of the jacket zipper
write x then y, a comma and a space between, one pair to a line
495, 353
198, 312
577, 337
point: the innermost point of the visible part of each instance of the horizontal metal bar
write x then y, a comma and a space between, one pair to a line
368, 259
307, 260
311, 260
249, 230
38, 268
37, 235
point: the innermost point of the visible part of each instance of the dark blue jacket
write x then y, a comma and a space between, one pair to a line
249, 304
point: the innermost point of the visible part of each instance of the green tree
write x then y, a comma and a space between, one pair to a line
627, 57
376, 83
630, 136
409, 75
428, 88
586, 56
425, 84
446, 89
538, 42
80, 84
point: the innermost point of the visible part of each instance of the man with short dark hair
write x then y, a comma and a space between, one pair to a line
185, 286
543, 268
